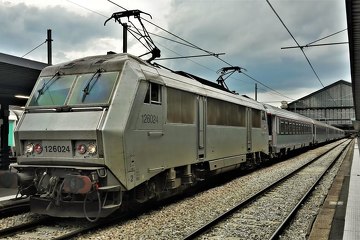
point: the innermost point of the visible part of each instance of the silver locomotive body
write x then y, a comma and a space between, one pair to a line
103, 129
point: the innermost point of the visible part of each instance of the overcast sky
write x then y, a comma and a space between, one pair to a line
247, 31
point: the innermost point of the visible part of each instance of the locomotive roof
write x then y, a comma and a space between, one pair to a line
109, 62
191, 83
179, 79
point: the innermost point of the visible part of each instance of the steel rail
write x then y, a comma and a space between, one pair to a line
11, 231
290, 216
250, 198
88, 228
48, 221
16, 207
107, 222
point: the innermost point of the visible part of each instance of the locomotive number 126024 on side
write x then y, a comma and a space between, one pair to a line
149, 118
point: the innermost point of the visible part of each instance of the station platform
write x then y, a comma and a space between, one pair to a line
7, 193
339, 216
352, 217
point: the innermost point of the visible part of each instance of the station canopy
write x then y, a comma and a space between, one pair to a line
353, 22
17, 77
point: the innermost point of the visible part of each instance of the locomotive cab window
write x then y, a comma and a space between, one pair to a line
153, 94
89, 88
93, 88
52, 91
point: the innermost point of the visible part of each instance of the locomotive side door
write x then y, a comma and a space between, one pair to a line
201, 110
249, 129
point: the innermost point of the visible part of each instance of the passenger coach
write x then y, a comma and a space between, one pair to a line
287, 131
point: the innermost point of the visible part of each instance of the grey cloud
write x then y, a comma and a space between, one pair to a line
251, 35
24, 27
246, 30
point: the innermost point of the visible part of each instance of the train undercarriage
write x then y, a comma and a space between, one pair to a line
93, 192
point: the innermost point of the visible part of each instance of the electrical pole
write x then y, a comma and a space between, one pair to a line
256, 91
125, 26
49, 47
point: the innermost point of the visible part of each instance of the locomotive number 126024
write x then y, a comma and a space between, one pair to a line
149, 118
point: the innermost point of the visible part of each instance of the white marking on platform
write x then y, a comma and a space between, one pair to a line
7, 198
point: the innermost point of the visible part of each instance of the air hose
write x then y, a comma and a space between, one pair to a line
99, 205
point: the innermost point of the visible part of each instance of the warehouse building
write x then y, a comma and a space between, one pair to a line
333, 105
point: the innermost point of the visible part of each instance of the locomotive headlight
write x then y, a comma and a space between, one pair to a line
29, 148
81, 148
92, 148
38, 148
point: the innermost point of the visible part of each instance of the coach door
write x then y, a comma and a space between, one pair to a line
201, 127
249, 129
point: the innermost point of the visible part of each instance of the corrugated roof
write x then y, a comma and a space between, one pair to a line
353, 21
321, 90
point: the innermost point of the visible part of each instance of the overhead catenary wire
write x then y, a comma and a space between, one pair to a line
194, 46
88, 9
34, 49
302, 50
247, 75
267, 86
316, 45
327, 36
174, 35
311, 44
189, 44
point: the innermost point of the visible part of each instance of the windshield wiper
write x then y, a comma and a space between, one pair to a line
47, 84
87, 87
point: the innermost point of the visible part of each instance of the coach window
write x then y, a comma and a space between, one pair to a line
297, 128
286, 127
294, 127
282, 127
153, 94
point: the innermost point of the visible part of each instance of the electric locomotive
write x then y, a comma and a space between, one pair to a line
102, 132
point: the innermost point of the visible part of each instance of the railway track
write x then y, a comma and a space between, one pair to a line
44, 227
48, 228
13, 207
148, 225
178, 219
277, 203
